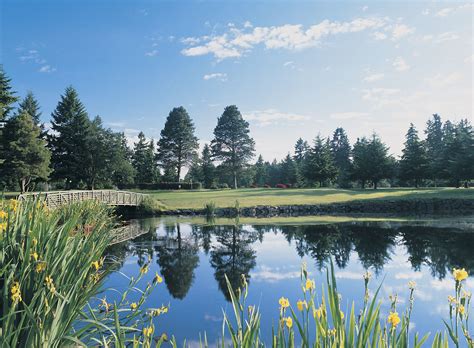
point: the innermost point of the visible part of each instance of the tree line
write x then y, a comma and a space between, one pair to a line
79, 152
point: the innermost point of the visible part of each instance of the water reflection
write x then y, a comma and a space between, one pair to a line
231, 248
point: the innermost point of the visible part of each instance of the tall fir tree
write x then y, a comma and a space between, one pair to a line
380, 161
413, 164
319, 163
260, 172
178, 144
232, 143
7, 96
122, 171
208, 168
341, 152
434, 148
68, 141
460, 147
143, 161
30, 105
26, 156
289, 171
361, 161
301, 149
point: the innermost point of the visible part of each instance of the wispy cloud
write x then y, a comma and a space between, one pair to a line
440, 80
272, 116
400, 64
348, 115
33, 56
151, 53
216, 76
374, 77
47, 69
236, 42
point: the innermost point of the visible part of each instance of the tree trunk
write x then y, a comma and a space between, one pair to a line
179, 174
235, 179
375, 185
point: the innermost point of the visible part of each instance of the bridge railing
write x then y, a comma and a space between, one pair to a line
54, 199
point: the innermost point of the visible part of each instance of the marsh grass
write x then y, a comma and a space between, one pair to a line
51, 268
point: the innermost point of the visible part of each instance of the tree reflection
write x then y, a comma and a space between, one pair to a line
232, 256
177, 259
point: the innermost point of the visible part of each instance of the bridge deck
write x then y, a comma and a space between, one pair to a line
111, 197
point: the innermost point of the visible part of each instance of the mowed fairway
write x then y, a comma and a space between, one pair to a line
253, 197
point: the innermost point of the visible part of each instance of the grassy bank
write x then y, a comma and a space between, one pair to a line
173, 200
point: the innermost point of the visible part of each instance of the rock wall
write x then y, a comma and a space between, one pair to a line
434, 206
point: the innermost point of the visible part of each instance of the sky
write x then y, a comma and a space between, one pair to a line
294, 69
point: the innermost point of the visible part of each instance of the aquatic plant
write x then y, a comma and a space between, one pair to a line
210, 209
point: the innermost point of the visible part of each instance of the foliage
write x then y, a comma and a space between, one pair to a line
319, 164
143, 161
26, 156
232, 143
210, 209
319, 321
413, 164
178, 144
7, 96
341, 151
52, 266
151, 206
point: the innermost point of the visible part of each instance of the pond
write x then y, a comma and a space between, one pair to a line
193, 257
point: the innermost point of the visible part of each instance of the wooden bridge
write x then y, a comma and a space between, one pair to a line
111, 197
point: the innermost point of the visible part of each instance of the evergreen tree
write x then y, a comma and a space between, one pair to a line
208, 168
260, 172
319, 164
232, 143
122, 171
31, 106
97, 166
178, 145
413, 165
460, 147
7, 96
341, 151
434, 148
380, 162
26, 156
362, 163
273, 171
289, 171
68, 141
143, 160
195, 172
301, 149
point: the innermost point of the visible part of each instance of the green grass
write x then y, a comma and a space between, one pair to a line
252, 197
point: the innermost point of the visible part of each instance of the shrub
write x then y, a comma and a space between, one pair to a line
266, 186
210, 209
151, 206
171, 186
282, 186
223, 186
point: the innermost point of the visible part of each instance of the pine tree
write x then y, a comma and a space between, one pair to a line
380, 161
460, 147
341, 151
143, 161
178, 145
26, 156
301, 149
122, 171
7, 96
31, 106
68, 141
232, 143
361, 161
289, 171
434, 148
413, 164
208, 168
260, 172
319, 163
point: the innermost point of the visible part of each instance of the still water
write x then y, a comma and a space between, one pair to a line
193, 258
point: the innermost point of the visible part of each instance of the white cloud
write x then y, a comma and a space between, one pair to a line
374, 77
272, 116
441, 80
47, 69
365, 8
447, 36
408, 276
151, 53
216, 76
469, 59
400, 65
444, 12
401, 30
235, 42
379, 35
378, 97
426, 12
348, 115
291, 63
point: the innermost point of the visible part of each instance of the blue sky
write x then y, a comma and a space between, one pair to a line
293, 68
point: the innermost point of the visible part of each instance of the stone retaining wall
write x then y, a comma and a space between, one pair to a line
434, 206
